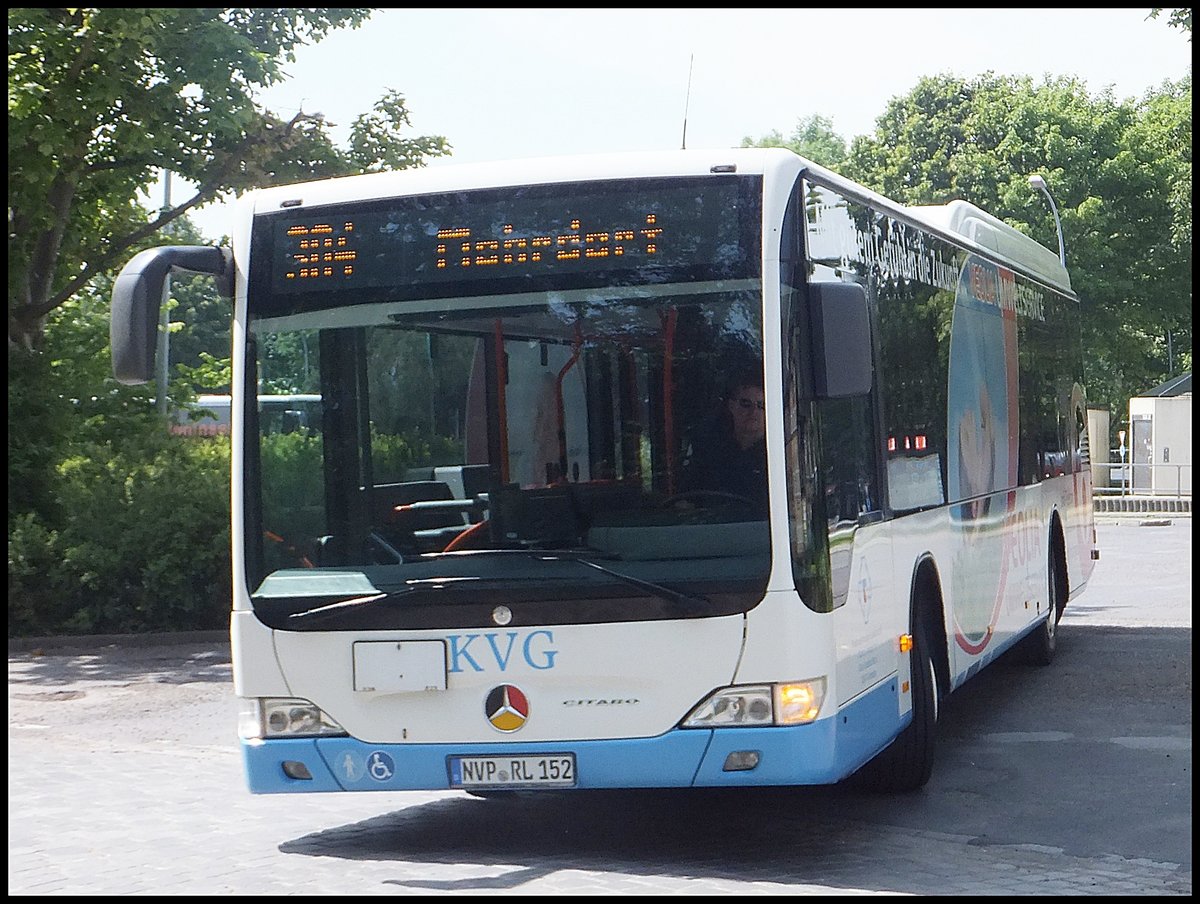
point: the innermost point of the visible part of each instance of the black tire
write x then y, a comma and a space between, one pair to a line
1038, 648
907, 763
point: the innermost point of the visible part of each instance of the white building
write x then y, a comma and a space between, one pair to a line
1160, 438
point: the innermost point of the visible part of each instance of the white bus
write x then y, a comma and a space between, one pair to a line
210, 414
505, 580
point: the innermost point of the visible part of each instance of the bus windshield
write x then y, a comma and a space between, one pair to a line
528, 440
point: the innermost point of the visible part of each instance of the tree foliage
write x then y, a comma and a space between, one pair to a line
1176, 18
813, 138
114, 524
100, 100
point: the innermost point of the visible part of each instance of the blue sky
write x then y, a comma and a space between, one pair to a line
500, 84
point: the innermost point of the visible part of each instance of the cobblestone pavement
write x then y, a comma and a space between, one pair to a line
139, 820
124, 778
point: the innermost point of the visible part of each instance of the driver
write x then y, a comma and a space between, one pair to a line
731, 456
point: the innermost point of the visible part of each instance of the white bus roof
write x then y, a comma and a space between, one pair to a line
965, 219
220, 401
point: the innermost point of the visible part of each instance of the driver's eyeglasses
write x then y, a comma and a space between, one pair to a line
751, 404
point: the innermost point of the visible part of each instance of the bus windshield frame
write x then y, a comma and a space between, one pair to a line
519, 439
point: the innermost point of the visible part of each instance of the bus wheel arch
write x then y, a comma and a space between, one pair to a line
927, 609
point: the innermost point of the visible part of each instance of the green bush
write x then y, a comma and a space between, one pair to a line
143, 544
135, 537
393, 454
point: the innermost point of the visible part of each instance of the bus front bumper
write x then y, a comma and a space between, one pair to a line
820, 753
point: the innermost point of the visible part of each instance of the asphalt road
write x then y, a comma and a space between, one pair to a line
125, 778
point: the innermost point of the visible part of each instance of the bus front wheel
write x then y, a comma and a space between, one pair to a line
907, 763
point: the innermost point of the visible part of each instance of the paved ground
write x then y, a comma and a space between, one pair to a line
124, 778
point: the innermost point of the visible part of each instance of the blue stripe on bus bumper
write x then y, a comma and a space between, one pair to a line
823, 752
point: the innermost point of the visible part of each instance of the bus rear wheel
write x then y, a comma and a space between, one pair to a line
1038, 648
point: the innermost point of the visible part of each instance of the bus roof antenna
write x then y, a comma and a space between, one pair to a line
686, 98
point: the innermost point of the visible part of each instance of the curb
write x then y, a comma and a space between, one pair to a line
1155, 519
92, 641
1154, 505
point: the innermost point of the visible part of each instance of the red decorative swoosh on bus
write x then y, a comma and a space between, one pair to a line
1006, 557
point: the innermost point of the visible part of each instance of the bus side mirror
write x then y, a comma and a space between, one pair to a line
841, 330
137, 297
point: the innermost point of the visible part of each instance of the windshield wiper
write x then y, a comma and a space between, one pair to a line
416, 585
585, 556
666, 593
343, 606
524, 552
321, 613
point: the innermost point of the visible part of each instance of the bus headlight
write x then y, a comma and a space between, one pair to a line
733, 706
754, 705
276, 717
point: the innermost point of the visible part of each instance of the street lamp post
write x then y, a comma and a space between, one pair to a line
163, 348
1124, 474
1040, 184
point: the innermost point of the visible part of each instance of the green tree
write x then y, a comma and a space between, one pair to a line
1176, 18
1161, 140
113, 523
1120, 172
813, 138
199, 341
100, 100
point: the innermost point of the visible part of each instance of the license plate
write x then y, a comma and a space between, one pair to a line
391, 667
520, 771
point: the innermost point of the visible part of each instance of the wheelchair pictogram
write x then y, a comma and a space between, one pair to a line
380, 766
